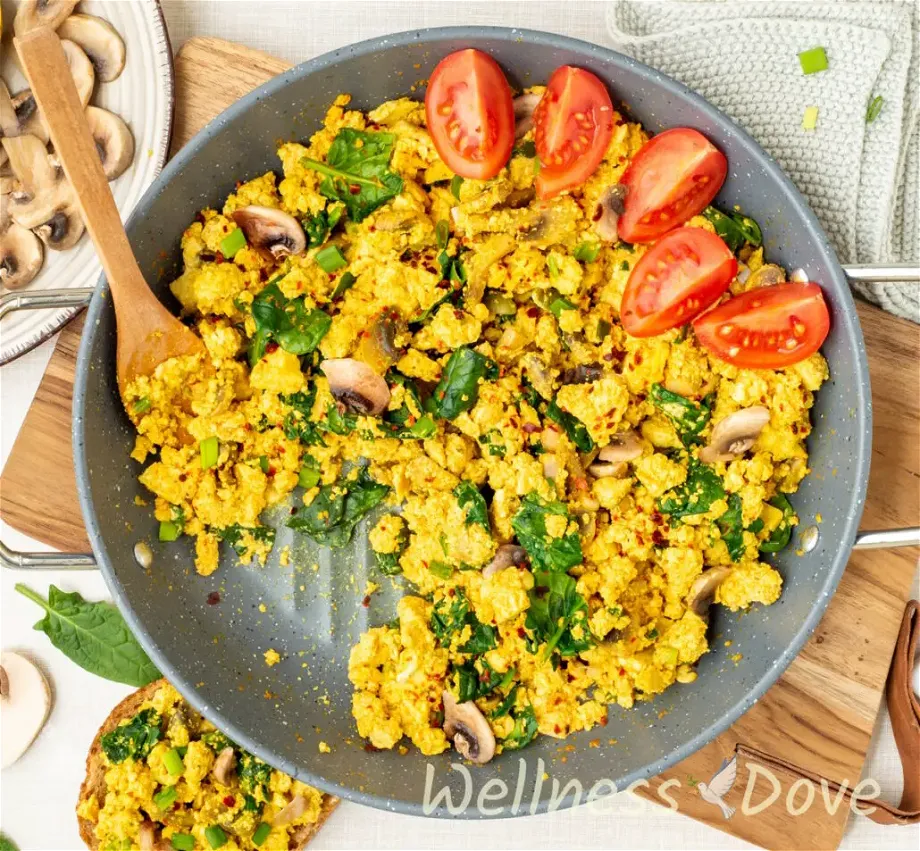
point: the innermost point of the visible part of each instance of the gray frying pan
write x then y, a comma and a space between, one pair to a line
213, 653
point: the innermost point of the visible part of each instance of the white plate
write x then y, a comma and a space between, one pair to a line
143, 96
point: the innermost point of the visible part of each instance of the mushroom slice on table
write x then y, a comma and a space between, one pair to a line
34, 172
113, 139
703, 590
99, 41
19, 115
356, 385
21, 256
63, 227
81, 69
25, 701
524, 105
608, 212
467, 726
41, 13
271, 229
733, 435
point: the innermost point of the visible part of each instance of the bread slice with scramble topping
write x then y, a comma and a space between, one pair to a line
118, 804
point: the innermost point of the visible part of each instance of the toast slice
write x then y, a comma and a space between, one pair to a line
94, 782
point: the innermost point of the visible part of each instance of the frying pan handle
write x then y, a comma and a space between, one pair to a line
887, 274
16, 560
887, 538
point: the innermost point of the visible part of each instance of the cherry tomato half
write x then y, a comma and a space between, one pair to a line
573, 125
676, 279
673, 178
470, 114
766, 328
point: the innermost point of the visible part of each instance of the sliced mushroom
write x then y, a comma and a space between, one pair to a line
703, 590
518, 198
41, 187
291, 812
766, 276
99, 41
224, 766
507, 555
21, 256
466, 725
147, 836
63, 228
81, 69
271, 229
606, 469
113, 139
551, 465
19, 115
524, 105
538, 375
608, 211
733, 435
24, 705
356, 385
624, 446
582, 374
41, 13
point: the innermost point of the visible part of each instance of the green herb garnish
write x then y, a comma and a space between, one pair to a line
696, 495
689, 418
289, 322
133, 740
469, 497
546, 553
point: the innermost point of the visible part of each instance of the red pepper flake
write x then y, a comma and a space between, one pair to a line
557, 729
294, 509
354, 189
199, 217
270, 347
639, 539
247, 426
658, 539
182, 477
580, 483
213, 319
530, 428
372, 228
533, 312
213, 598
219, 258
622, 672
603, 720
458, 314
450, 591
229, 801
271, 472
795, 429
657, 518
637, 357
366, 601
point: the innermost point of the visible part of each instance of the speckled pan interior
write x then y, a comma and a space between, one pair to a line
313, 613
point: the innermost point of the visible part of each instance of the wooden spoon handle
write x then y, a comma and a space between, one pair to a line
49, 76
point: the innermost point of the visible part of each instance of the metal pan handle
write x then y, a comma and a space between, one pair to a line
891, 274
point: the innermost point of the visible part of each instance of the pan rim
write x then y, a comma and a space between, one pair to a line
845, 319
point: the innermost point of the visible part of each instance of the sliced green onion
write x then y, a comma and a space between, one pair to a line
441, 570
215, 836
173, 762
455, 183
169, 531
457, 272
330, 259
810, 118
183, 841
309, 476
261, 833
813, 60
165, 798
346, 282
552, 266
142, 405
424, 427
586, 252
875, 107
210, 449
557, 305
263, 463
232, 242
442, 233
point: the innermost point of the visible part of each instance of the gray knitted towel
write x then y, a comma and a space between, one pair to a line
862, 179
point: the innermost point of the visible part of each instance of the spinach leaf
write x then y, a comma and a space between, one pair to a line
133, 740
469, 497
317, 228
477, 678
734, 228
338, 421
506, 705
688, 417
780, 536
730, 524
492, 440
288, 322
558, 616
525, 729
332, 516
448, 616
696, 495
388, 563
217, 741
527, 148
94, 635
546, 553
402, 422
297, 424
482, 639
254, 776
234, 533
458, 389
574, 428
357, 171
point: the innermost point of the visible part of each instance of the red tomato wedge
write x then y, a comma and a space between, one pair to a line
470, 114
573, 125
673, 178
676, 279
766, 328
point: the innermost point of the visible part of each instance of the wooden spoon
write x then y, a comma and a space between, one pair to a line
148, 333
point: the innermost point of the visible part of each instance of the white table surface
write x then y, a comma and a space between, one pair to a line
38, 794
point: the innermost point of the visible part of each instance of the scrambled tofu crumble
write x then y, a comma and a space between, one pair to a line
449, 352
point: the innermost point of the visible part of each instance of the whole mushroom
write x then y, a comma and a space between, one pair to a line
733, 435
356, 385
467, 726
271, 230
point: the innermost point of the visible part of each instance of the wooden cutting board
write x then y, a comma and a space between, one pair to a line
821, 712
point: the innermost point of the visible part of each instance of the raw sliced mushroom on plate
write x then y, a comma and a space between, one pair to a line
25, 701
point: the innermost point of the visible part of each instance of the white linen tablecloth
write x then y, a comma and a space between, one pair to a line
38, 794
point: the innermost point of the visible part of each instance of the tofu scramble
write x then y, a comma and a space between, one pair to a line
561, 500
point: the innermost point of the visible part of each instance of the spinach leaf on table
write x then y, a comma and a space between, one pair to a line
357, 171
734, 228
689, 418
94, 635
469, 497
524, 731
696, 495
293, 326
546, 553
332, 516
133, 740
458, 389
557, 616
